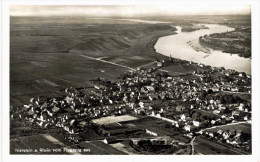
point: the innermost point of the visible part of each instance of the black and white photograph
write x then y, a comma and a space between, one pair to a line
130, 79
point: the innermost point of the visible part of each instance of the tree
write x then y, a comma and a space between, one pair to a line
157, 106
196, 115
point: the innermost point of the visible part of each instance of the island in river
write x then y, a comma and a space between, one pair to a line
193, 27
234, 42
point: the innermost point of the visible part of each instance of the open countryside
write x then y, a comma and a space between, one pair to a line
119, 85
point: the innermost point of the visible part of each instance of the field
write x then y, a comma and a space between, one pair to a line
126, 148
159, 127
57, 144
205, 146
113, 119
34, 142
97, 148
47, 55
177, 69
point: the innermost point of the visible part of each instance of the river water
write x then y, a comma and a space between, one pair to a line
177, 46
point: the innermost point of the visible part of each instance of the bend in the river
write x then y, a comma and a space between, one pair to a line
177, 46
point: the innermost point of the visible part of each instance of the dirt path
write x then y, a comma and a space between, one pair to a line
98, 59
163, 118
192, 145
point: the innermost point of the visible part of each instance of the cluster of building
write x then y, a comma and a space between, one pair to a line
190, 102
153, 144
237, 138
70, 113
193, 96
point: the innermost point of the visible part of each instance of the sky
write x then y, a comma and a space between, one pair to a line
128, 10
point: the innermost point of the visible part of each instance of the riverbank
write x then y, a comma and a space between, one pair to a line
193, 27
177, 46
234, 42
197, 47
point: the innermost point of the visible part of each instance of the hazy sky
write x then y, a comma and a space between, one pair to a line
128, 11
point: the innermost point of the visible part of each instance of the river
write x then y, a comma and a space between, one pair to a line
176, 45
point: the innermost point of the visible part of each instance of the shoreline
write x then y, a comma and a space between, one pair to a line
207, 52
198, 47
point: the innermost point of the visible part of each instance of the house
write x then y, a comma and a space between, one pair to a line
241, 107
159, 64
134, 142
180, 108
41, 99
152, 113
44, 105
225, 135
158, 141
220, 131
32, 100
213, 122
211, 134
116, 129
235, 113
189, 128
183, 117
196, 123
150, 132
234, 89
141, 104
110, 140
69, 99
238, 134
200, 132
180, 124
242, 75
55, 109
153, 97
75, 138
216, 112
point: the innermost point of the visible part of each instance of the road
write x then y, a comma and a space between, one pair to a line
192, 145
225, 125
192, 141
163, 118
108, 62
237, 92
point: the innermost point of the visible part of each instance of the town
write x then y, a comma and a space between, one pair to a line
148, 111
